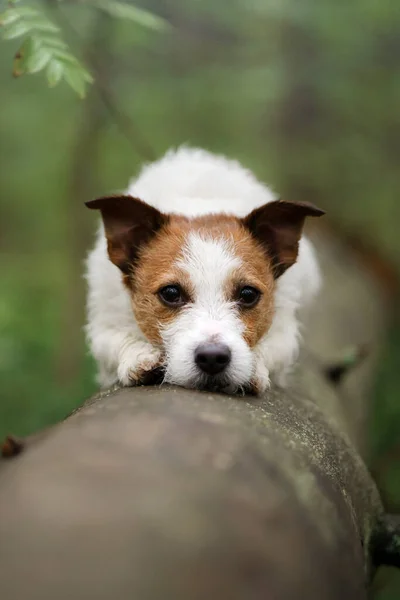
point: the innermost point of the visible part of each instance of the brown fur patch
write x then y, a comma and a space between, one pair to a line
156, 267
278, 226
256, 271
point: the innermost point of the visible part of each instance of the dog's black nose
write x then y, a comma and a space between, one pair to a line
212, 358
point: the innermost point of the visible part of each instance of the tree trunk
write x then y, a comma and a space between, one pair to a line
164, 493
83, 177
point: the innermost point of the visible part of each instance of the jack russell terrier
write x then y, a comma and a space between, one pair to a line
198, 274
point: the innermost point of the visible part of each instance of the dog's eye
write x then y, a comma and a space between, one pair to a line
171, 295
248, 296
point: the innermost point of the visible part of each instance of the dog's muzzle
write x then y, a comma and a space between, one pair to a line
212, 358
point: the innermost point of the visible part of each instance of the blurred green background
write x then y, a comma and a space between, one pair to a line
305, 92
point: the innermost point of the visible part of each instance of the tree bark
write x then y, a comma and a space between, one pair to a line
164, 493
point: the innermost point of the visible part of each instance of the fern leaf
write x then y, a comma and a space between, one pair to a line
124, 10
16, 29
38, 60
54, 72
42, 48
13, 14
75, 80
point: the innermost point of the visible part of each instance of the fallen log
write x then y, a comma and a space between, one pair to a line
163, 493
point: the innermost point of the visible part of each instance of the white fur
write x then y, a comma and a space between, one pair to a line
193, 182
115, 339
209, 263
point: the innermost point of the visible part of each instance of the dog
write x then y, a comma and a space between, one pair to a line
198, 274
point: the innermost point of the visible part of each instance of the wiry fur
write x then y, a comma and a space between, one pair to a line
194, 183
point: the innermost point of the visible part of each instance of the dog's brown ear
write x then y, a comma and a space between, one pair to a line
129, 223
278, 226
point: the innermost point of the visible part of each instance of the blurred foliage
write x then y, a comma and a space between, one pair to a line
43, 48
305, 92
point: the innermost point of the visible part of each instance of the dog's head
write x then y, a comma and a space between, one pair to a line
203, 288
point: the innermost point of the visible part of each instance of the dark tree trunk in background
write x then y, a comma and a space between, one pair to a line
169, 494
83, 183
298, 123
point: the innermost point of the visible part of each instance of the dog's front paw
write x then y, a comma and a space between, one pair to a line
140, 364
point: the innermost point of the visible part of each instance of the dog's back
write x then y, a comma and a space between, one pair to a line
194, 182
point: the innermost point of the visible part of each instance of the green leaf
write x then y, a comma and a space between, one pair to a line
8, 17
42, 24
63, 55
35, 54
38, 60
19, 64
54, 72
87, 76
53, 42
123, 10
16, 29
74, 77
24, 11
17, 24
13, 14
42, 48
